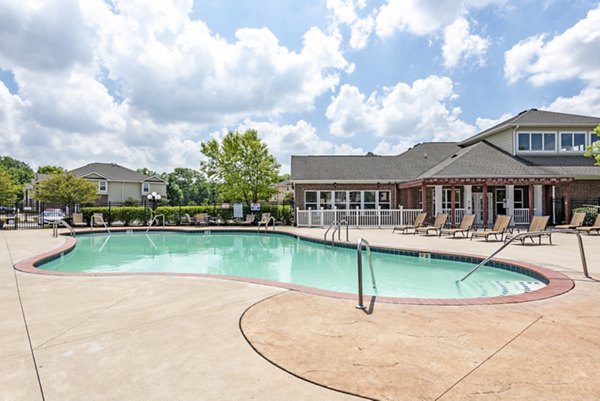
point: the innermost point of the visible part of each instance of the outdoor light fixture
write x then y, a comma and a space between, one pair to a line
154, 198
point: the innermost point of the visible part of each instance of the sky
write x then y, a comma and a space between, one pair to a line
142, 83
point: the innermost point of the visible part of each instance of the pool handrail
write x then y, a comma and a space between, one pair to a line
333, 223
101, 219
267, 224
338, 228
525, 234
154, 219
64, 223
359, 246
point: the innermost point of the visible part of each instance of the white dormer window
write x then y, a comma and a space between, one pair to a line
102, 187
145, 187
536, 142
572, 141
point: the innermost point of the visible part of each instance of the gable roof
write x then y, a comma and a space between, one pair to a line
535, 118
112, 172
406, 166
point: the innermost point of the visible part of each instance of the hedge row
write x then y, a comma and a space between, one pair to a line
590, 214
173, 214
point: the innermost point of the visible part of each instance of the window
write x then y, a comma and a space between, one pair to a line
102, 187
310, 200
384, 200
447, 200
325, 200
340, 199
145, 187
572, 141
536, 141
355, 198
519, 199
369, 200
593, 138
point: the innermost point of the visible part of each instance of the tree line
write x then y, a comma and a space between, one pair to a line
238, 168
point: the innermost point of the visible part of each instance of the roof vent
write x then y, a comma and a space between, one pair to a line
425, 155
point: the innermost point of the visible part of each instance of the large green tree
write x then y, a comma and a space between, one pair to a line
186, 186
594, 149
66, 189
241, 163
9, 189
50, 170
18, 170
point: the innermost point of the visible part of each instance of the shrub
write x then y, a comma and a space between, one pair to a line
590, 214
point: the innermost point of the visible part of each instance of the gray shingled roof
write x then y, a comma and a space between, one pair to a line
406, 166
111, 171
534, 117
481, 160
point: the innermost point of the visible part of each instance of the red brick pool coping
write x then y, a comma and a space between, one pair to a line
558, 283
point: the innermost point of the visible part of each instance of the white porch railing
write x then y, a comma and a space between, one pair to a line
356, 217
521, 216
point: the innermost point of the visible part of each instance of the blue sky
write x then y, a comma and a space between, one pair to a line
143, 83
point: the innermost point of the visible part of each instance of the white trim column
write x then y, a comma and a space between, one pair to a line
437, 195
537, 200
510, 200
468, 199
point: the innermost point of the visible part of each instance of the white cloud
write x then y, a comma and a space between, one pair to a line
346, 12
135, 82
485, 123
417, 112
293, 139
459, 44
587, 102
575, 53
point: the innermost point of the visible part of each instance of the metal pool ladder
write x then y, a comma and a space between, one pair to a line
337, 227
518, 236
154, 219
359, 246
267, 224
64, 223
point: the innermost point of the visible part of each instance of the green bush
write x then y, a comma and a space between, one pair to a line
128, 214
590, 214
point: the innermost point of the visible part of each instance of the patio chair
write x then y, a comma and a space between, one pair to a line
537, 229
593, 227
576, 221
419, 222
499, 229
465, 226
186, 220
97, 220
201, 219
78, 220
249, 220
436, 227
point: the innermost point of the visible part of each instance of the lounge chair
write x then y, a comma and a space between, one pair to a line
78, 220
576, 221
201, 219
97, 220
593, 227
249, 220
186, 220
465, 226
537, 229
499, 229
419, 222
436, 227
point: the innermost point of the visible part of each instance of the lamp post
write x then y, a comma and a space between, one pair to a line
153, 198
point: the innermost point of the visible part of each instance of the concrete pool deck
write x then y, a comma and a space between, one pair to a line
179, 338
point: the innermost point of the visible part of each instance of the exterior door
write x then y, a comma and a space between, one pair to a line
478, 208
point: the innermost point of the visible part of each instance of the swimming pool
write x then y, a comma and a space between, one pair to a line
288, 259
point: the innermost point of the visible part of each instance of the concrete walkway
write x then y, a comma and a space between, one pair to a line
179, 338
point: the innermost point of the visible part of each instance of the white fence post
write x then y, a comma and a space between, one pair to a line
322, 217
378, 216
401, 214
310, 217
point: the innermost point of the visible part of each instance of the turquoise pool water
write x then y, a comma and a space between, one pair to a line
286, 259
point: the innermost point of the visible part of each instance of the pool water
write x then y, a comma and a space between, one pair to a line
286, 259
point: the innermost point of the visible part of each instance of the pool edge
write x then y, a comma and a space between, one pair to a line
557, 283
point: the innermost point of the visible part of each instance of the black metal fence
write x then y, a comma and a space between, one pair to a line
558, 213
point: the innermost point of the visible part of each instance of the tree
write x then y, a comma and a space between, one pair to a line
241, 163
9, 189
594, 149
66, 189
18, 170
186, 186
50, 170
147, 171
